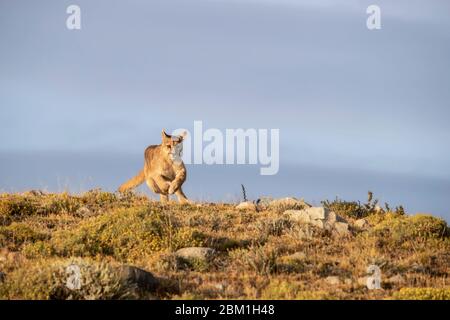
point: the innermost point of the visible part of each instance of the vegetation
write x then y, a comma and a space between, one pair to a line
258, 255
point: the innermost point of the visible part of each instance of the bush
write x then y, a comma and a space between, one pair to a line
260, 259
17, 233
283, 290
357, 210
126, 234
419, 227
422, 294
46, 280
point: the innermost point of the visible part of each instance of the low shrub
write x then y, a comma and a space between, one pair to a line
422, 294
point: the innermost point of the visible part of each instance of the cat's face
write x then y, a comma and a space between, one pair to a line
173, 146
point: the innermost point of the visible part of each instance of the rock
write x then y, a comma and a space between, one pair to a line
317, 213
362, 281
378, 209
341, 228
348, 281
298, 216
197, 253
247, 205
35, 193
84, 212
361, 223
396, 279
2, 277
263, 203
332, 218
317, 223
141, 279
321, 218
333, 280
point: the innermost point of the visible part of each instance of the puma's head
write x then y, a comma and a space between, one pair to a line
173, 146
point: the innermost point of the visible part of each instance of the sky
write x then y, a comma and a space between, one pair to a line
357, 109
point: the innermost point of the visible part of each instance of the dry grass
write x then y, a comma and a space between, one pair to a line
260, 255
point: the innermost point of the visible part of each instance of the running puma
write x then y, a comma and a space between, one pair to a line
164, 170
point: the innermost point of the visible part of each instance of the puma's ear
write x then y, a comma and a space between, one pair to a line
164, 135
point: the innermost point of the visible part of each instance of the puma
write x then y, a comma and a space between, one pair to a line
164, 170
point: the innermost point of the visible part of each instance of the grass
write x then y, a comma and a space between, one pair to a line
259, 255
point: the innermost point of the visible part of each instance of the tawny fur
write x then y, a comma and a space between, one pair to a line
164, 171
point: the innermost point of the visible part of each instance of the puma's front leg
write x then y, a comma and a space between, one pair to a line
180, 177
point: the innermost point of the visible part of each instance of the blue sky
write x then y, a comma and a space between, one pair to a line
346, 99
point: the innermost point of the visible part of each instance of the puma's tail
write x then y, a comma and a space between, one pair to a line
133, 182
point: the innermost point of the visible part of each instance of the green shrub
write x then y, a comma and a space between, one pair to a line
15, 206
422, 294
419, 227
126, 234
17, 233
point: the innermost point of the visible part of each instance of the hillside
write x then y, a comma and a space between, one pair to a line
277, 249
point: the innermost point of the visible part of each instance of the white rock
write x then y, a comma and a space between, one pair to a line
396, 279
361, 223
333, 280
341, 228
298, 216
247, 205
317, 213
200, 253
288, 203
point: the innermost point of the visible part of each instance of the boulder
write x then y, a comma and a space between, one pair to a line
333, 280
397, 279
361, 224
287, 203
321, 218
247, 205
84, 212
298, 216
138, 278
196, 253
341, 229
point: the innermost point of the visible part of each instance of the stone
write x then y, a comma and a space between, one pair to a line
317, 213
361, 223
317, 223
396, 279
247, 205
341, 229
84, 212
333, 218
298, 216
197, 253
288, 203
333, 280
139, 278
362, 281
35, 193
